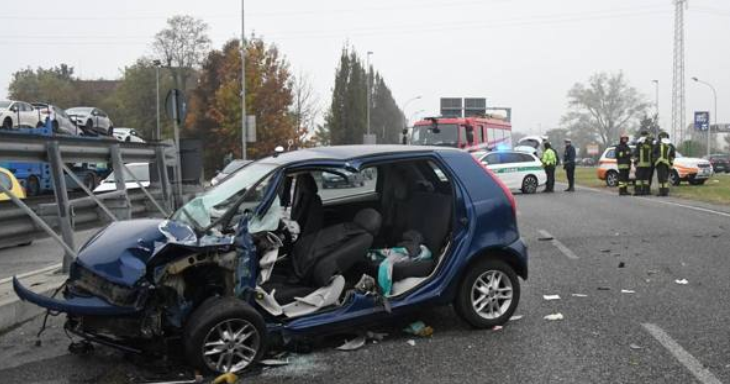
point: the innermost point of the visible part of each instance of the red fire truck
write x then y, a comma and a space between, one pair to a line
471, 133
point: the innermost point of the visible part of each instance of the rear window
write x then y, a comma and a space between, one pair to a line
5, 181
511, 158
611, 154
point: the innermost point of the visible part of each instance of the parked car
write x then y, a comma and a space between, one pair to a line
692, 170
224, 277
18, 114
518, 170
343, 179
229, 169
8, 180
720, 162
140, 171
588, 162
128, 135
60, 121
93, 121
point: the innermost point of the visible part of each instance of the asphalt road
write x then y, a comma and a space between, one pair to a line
664, 332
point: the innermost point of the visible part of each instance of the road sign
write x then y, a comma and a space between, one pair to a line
176, 106
475, 107
451, 107
702, 121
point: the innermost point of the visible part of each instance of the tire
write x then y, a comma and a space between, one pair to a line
89, 127
484, 272
612, 179
210, 323
32, 186
674, 178
40, 124
90, 181
530, 184
697, 182
7, 123
56, 128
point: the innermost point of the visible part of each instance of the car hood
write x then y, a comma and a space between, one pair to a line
122, 251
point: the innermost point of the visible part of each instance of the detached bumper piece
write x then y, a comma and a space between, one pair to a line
73, 305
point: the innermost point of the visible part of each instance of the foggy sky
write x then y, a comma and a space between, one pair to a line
520, 53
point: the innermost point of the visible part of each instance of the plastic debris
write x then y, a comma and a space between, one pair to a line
551, 297
628, 291
604, 288
682, 282
516, 317
227, 378
375, 336
635, 346
412, 343
353, 344
545, 238
274, 362
579, 295
497, 328
554, 317
419, 328
621, 264
605, 251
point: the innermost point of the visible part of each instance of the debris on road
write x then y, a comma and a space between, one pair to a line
419, 328
545, 238
652, 272
604, 288
579, 295
497, 328
605, 251
682, 282
226, 378
516, 317
628, 291
554, 317
621, 264
635, 346
274, 362
551, 297
411, 342
376, 336
353, 344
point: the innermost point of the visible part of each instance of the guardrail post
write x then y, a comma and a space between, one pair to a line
164, 178
64, 209
118, 168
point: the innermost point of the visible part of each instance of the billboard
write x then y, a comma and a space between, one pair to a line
702, 121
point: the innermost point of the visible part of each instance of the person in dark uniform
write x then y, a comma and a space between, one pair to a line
664, 154
549, 162
650, 176
623, 159
569, 164
642, 155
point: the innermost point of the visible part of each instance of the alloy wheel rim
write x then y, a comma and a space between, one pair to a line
612, 179
531, 184
491, 294
231, 346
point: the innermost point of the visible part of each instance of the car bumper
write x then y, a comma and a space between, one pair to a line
71, 304
519, 249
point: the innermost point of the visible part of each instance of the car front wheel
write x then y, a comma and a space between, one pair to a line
488, 295
224, 335
674, 178
612, 179
529, 184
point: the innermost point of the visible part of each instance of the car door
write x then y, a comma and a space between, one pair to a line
493, 161
29, 115
511, 169
103, 121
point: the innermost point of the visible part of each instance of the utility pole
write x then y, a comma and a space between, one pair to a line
678, 84
244, 133
656, 105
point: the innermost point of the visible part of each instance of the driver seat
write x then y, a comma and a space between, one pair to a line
307, 205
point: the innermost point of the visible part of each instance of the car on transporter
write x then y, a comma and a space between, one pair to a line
263, 259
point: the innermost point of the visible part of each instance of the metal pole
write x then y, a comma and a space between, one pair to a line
243, 84
178, 151
120, 181
367, 74
64, 208
157, 76
656, 105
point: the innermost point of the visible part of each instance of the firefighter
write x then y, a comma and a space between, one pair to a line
642, 159
623, 158
549, 162
664, 154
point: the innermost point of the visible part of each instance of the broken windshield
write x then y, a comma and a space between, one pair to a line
205, 209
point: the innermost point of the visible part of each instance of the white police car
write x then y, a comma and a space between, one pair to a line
518, 170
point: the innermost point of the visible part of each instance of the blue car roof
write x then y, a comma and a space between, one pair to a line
350, 152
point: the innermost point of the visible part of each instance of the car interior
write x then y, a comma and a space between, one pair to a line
404, 205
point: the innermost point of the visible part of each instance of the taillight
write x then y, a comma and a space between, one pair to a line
502, 185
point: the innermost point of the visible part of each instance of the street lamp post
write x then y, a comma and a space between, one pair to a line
656, 105
369, 90
709, 128
157, 64
243, 84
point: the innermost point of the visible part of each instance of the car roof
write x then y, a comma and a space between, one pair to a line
352, 152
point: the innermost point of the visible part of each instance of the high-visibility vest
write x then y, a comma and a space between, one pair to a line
644, 150
549, 158
665, 155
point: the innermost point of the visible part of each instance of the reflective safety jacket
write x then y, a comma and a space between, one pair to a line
623, 156
643, 153
664, 153
549, 158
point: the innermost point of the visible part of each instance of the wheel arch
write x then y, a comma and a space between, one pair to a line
504, 254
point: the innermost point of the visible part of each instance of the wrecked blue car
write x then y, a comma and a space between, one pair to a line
268, 256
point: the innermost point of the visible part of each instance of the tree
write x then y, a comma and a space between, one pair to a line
305, 108
557, 136
607, 106
215, 107
56, 85
182, 46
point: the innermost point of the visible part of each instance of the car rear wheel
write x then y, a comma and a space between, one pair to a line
674, 178
488, 295
7, 123
529, 184
90, 181
90, 127
224, 335
612, 179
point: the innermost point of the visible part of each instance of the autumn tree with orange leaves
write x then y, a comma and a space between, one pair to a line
215, 106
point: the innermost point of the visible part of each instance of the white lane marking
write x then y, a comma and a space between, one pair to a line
32, 273
690, 362
686, 206
565, 250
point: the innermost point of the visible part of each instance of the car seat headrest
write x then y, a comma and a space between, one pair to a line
369, 220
